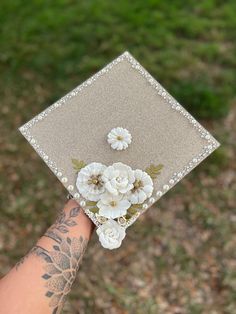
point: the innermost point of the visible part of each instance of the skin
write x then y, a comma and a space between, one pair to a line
40, 281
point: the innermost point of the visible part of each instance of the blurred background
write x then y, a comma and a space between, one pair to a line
180, 256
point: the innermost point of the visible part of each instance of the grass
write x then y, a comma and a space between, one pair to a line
179, 257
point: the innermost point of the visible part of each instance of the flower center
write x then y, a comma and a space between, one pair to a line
119, 138
119, 179
137, 185
113, 203
95, 180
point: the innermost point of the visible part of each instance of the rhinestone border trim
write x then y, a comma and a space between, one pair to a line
211, 142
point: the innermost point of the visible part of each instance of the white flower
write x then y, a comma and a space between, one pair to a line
110, 234
112, 206
119, 138
143, 187
118, 178
89, 181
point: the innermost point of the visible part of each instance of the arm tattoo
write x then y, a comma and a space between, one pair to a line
62, 262
62, 223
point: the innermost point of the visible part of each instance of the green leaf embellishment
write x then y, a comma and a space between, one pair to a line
133, 210
93, 206
94, 209
90, 203
135, 207
127, 216
154, 171
78, 164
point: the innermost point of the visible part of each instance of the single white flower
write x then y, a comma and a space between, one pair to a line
110, 234
112, 206
119, 138
89, 181
118, 178
143, 187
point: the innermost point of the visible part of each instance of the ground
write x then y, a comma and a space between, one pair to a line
180, 256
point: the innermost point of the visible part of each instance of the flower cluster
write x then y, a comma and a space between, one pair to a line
114, 189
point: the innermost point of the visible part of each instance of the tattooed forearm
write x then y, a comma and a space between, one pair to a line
61, 268
62, 261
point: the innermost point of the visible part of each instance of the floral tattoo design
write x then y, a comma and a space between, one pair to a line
61, 269
62, 261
